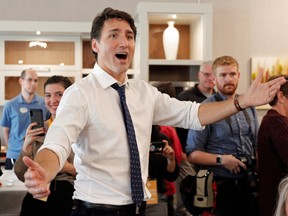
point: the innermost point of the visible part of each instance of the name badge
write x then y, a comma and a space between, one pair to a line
23, 110
152, 187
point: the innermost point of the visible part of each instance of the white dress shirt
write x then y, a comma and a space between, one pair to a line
89, 117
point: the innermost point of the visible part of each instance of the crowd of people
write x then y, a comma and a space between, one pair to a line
95, 156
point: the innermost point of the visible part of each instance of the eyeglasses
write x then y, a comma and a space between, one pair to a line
31, 80
207, 74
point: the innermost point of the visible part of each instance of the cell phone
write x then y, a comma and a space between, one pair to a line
157, 147
36, 115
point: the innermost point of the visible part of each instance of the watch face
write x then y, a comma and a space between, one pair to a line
219, 159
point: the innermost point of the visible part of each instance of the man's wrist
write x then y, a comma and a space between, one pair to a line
237, 104
219, 160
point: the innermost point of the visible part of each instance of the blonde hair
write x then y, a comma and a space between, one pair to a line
224, 60
282, 196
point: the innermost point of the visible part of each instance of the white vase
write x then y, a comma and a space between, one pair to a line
170, 41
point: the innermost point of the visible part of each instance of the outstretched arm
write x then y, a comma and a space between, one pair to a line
257, 94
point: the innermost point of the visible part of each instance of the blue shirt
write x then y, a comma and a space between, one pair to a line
234, 135
16, 117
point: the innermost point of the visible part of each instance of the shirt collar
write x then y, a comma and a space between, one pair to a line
222, 96
105, 79
21, 99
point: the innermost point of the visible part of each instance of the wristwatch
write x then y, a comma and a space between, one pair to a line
219, 159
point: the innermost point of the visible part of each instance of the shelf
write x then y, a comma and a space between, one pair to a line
56, 53
88, 59
62, 56
156, 49
194, 23
174, 62
173, 73
11, 86
61, 53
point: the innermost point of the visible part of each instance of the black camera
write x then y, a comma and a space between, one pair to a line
157, 147
251, 175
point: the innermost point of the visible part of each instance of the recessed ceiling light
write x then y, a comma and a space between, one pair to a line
174, 16
38, 32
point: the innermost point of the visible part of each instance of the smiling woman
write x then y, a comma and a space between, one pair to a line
54, 88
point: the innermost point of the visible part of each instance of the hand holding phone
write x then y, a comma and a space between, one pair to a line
36, 115
157, 147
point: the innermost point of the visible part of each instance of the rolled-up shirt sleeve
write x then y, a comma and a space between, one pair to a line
170, 111
66, 127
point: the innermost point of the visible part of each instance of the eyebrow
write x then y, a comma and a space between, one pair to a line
114, 30
30, 78
54, 92
118, 30
228, 72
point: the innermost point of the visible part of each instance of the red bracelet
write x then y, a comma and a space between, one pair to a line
237, 105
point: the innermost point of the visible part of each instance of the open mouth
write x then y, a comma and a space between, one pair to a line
121, 56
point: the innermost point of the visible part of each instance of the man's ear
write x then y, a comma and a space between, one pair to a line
94, 45
20, 81
198, 74
280, 96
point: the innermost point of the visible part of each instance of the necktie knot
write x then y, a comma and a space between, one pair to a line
115, 86
120, 90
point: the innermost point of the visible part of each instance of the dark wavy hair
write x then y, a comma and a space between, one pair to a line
283, 88
62, 80
106, 14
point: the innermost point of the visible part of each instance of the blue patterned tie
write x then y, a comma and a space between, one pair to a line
136, 179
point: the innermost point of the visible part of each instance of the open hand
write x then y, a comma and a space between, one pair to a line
36, 180
261, 93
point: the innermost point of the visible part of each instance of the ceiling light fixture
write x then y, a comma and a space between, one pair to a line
37, 43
